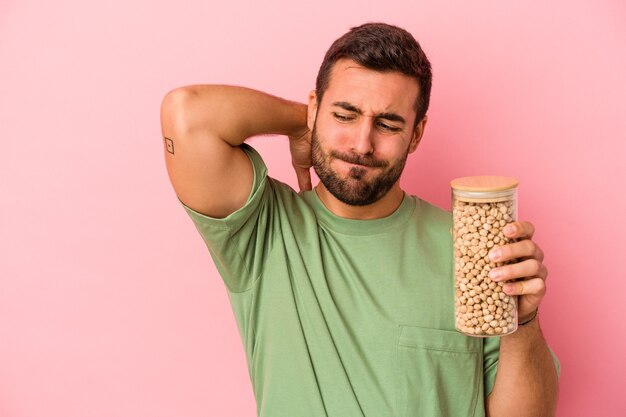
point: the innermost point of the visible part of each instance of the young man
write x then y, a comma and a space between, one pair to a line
343, 294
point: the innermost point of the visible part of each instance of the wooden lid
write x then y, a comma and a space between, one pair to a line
484, 183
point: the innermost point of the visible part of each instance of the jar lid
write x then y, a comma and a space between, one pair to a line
485, 183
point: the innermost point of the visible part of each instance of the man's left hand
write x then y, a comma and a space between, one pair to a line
529, 268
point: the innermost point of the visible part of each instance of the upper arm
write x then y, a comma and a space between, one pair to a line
208, 174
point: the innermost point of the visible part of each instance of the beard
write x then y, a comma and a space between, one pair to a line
355, 190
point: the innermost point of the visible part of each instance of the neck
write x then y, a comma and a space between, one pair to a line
377, 210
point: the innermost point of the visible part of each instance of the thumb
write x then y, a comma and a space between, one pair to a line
304, 179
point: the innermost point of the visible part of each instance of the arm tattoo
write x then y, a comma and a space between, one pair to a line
169, 144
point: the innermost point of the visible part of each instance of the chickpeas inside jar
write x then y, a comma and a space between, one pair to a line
481, 207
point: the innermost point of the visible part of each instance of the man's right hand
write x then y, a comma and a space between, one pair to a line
300, 148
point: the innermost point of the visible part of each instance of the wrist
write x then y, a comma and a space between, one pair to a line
523, 321
298, 127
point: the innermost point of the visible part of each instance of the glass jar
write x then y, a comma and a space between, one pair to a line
481, 207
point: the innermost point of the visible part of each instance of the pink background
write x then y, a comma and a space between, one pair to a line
109, 303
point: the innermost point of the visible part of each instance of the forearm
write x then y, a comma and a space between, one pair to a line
236, 113
526, 383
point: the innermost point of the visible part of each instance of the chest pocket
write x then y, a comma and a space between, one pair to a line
439, 373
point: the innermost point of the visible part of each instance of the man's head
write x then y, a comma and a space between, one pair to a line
368, 112
380, 47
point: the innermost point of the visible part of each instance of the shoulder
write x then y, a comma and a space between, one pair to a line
279, 201
431, 213
287, 198
432, 223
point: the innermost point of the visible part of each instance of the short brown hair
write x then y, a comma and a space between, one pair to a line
381, 47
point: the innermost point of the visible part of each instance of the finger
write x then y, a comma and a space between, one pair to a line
535, 287
304, 179
523, 249
305, 133
538, 255
519, 230
523, 269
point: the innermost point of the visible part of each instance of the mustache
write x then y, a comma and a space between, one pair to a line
367, 161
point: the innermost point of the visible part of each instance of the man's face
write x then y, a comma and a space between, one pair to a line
363, 131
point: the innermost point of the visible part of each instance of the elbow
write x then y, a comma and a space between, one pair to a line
177, 99
178, 96
175, 110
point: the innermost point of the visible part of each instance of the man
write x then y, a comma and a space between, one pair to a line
343, 294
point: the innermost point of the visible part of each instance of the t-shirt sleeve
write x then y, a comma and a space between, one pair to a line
491, 352
237, 243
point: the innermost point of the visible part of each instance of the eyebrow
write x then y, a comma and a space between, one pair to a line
394, 117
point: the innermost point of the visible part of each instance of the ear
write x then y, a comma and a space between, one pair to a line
311, 110
417, 134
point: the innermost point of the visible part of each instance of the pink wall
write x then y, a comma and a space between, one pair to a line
109, 304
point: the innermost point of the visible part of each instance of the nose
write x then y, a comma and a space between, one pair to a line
362, 140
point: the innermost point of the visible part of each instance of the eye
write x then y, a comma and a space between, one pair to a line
387, 127
343, 117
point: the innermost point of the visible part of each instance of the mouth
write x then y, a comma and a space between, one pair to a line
357, 165
360, 162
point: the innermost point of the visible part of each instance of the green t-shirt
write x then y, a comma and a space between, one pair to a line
347, 318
